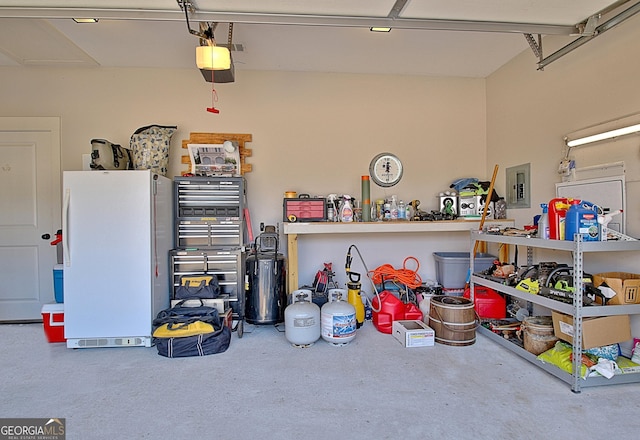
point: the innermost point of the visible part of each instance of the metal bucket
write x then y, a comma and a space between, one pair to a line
453, 320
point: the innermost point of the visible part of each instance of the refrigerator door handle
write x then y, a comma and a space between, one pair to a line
65, 227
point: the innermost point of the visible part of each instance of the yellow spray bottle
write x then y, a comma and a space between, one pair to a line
353, 290
354, 298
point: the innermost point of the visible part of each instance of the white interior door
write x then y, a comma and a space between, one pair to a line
29, 210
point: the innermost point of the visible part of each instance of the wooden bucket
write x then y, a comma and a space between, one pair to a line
453, 319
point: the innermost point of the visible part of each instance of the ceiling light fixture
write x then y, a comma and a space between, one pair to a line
212, 57
379, 29
85, 20
603, 136
608, 130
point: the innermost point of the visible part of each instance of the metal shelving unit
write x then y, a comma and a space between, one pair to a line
579, 248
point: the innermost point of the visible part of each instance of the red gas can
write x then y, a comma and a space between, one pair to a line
557, 213
488, 303
391, 309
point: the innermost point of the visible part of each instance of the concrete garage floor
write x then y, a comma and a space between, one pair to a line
264, 388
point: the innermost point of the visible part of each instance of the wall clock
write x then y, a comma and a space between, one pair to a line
385, 169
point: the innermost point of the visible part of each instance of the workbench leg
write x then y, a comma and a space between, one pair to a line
292, 262
504, 253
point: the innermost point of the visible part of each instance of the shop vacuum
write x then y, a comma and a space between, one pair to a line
265, 274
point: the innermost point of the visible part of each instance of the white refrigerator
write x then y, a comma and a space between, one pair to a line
117, 231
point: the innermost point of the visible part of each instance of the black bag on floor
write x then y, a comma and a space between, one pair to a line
204, 286
202, 344
190, 331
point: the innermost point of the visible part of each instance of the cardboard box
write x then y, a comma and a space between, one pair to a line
596, 332
625, 285
413, 333
53, 322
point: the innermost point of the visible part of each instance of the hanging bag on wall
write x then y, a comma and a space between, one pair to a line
106, 155
190, 331
202, 287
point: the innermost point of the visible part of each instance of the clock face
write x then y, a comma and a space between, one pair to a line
385, 169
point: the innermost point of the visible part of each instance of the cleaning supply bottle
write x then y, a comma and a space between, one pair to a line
543, 222
604, 220
346, 211
402, 210
582, 218
394, 208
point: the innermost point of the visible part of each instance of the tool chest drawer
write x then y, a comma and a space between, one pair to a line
209, 233
221, 197
226, 265
304, 209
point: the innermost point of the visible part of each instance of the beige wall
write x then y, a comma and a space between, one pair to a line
316, 133
312, 133
529, 112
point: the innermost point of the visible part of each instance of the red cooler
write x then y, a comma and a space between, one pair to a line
53, 320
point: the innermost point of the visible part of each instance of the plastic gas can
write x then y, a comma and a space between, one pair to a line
557, 212
388, 308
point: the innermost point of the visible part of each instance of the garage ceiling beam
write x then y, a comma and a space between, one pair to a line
607, 25
290, 19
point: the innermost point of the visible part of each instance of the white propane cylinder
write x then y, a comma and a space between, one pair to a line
302, 319
338, 318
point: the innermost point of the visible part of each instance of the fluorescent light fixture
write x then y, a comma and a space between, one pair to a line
213, 58
605, 135
380, 29
85, 20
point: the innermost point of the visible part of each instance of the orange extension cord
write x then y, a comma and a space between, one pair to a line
408, 277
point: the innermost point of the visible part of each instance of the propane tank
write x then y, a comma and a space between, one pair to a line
302, 319
338, 319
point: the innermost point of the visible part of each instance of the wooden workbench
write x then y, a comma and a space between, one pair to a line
294, 230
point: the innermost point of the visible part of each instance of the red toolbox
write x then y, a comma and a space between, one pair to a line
304, 209
488, 303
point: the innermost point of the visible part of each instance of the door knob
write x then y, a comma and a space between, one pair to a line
46, 236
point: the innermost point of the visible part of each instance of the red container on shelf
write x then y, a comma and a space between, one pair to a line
487, 302
392, 309
557, 212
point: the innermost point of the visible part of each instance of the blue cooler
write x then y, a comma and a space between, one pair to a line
58, 285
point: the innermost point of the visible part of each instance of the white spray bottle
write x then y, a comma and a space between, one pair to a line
604, 220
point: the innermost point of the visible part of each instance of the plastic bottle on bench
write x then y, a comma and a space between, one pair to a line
543, 222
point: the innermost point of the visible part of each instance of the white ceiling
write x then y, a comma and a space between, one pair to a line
464, 38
